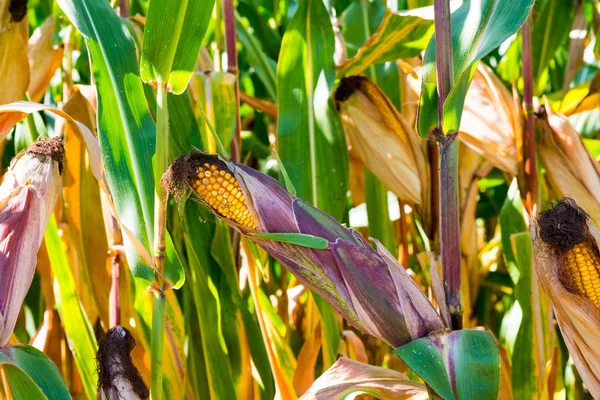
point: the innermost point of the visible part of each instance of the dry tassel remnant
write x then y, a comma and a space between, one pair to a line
567, 262
118, 378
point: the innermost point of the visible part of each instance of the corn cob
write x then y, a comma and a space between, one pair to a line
221, 191
582, 263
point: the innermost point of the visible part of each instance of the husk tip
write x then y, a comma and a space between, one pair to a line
51, 147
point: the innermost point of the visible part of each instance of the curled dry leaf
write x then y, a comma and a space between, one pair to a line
347, 376
567, 261
491, 119
15, 112
14, 69
27, 197
570, 168
44, 59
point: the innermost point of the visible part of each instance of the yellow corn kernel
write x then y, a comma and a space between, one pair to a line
583, 267
221, 191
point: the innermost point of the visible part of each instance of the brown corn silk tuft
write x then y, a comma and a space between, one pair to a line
565, 241
52, 148
216, 185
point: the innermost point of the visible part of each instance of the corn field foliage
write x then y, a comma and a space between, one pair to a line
299, 199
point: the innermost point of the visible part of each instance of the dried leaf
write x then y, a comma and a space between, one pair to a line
347, 376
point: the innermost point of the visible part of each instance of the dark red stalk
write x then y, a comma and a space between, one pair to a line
448, 142
532, 195
115, 292
124, 8
232, 68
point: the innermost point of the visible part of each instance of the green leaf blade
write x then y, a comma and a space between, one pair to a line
172, 37
477, 29
311, 140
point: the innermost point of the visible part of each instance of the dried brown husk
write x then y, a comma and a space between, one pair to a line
578, 318
44, 59
383, 140
570, 168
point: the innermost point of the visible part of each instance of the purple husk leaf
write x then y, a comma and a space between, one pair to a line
438, 291
419, 314
372, 289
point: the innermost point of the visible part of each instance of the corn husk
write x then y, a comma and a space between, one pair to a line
366, 285
570, 168
382, 139
577, 317
27, 197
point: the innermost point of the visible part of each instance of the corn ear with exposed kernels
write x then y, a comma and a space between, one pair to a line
367, 286
567, 261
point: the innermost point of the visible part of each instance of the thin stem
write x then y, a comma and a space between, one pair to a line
124, 8
157, 344
162, 163
532, 191
448, 167
160, 218
450, 229
444, 61
232, 68
114, 301
532, 194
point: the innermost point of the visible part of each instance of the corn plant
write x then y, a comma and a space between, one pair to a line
299, 199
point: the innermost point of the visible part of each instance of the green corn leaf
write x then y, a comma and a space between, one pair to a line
23, 363
311, 140
261, 63
126, 130
298, 239
72, 315
172, 37
457, 365
21, 385
477, 29
398, 36
520, 327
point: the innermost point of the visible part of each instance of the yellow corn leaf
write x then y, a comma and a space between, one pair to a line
15, 112
304, 375
14, 67
82, 203
44, 59
353, 347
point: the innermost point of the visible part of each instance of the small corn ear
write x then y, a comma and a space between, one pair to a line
27, 197
565, 244
381, 138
